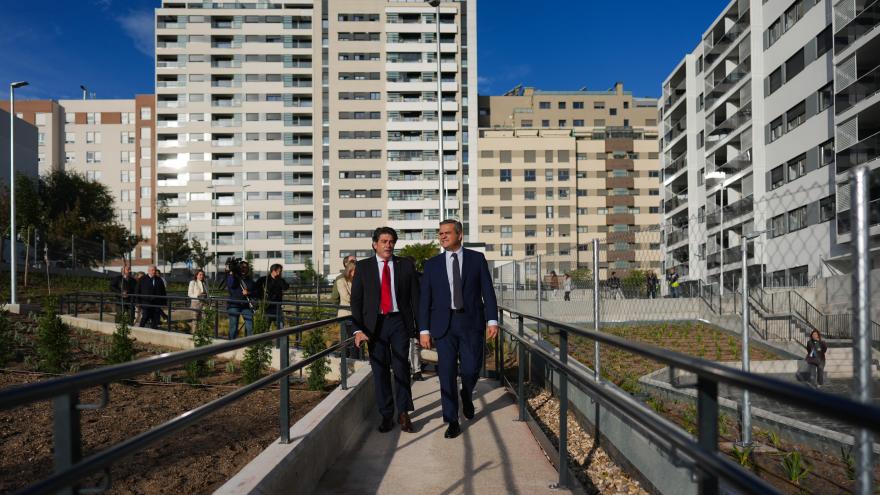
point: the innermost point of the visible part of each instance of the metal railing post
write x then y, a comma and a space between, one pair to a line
707, 428
499, 351
596, 371
169, 314
521, 371
67, 437
861, 320
343, 357
746, 402
515, 281
563, 410
539, 296
284, 390
101, 307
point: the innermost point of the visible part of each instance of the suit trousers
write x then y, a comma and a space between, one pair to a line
389, 352
461, 345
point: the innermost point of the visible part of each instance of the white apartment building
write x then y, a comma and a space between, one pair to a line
291, 130
747, 139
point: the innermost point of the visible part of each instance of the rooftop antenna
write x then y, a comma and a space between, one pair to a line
84, 90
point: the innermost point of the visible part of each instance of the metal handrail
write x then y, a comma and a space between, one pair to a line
709, 376
65, 390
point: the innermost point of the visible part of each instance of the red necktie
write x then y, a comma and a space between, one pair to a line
385, 303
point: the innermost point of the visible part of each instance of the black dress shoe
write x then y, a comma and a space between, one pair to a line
467, 406
405, 423
453, 430
386, 425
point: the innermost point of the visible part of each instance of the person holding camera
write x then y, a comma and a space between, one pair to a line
241, 290
270, 288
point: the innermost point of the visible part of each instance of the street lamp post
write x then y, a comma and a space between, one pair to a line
442, 177
12, 260
746, 403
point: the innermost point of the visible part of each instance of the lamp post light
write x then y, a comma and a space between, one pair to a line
746, 402
12, 261
442, 176
720, 176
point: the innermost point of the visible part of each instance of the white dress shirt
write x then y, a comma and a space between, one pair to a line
448, 255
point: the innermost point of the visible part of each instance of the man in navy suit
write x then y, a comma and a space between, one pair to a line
457, 307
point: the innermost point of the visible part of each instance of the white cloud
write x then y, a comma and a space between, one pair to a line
138, 25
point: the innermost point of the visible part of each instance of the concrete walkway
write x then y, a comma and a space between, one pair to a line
494, 453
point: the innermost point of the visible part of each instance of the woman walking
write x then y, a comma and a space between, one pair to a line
198, 293
816, 349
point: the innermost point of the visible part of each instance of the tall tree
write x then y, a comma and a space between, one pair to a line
421, 253
174, 247
200, 254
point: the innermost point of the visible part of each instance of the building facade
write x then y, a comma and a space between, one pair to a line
292, 130
108, 141
748, 137
558, 169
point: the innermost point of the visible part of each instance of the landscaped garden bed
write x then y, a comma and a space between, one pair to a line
197, 459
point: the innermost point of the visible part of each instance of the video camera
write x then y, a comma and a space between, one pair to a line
233, 265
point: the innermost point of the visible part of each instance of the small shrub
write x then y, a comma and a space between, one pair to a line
795, 467
743, 455
121, 344
849, 461
689, 416
201, 337
8, 339
258, 356
53, 341
656, 404
774, 440
313, 343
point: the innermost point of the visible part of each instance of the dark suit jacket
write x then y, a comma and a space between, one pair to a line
146, 291
366, 292
119, 284
480, 305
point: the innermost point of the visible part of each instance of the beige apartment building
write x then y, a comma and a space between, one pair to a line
558, 169
291, 130
108, 141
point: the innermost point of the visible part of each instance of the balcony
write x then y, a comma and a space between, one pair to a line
735, 121
739, 73
679, 163
677, 128
675, 96
675, 201
864, 22
723, 43
860, 90
737, 163
676, 236
730, 212
864, 151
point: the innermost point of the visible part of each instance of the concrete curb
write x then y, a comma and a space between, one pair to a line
317, 441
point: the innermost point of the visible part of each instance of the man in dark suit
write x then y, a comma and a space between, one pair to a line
125, 286
151, 297
384, 303
457, 308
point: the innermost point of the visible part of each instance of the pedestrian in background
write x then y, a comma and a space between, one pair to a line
198, 294
566, 286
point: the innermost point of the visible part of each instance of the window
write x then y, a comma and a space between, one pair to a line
777, 226
577, 105
578, 122
93, 137
548, 192
794, 65
530, 249
544, 105
776, 129
797, 167
548, 175
548, 156
795, 116
612, 111
793, 14
826, 153
827, 208
505, 156
69, 138
701, 139
797, 219
826, 96
529, 194
529, 156
564, 174
598, 105
529, 175
774, 32
506, 175
545, 123
563, 123
507, 250
777, 177
823, 42
775, 80
506, 231
146, 113
93, 157
549, 211
526, 123
561, 105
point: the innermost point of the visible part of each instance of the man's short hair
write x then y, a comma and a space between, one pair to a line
459, 228
384, 230
275, 266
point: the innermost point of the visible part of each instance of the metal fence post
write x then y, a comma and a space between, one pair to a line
563, 410
539, 296
284, 389
67, 437
169, 315
707, 428
515, 281
499, 352
521, 371
746, 403
861, 320
343, 361
101, 307
596, 372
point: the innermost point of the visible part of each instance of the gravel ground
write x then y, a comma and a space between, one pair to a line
596, 471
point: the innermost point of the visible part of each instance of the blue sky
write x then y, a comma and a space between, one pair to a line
107, 44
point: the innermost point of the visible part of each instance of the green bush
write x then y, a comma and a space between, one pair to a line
313, 343
201, 337
53, 341
258, 356
121, 344
7, 339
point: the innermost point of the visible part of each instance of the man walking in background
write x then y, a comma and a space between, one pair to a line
151, 297
457, 308
384, 302
270, 289
125, 286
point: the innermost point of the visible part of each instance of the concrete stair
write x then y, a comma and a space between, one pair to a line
839, 362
